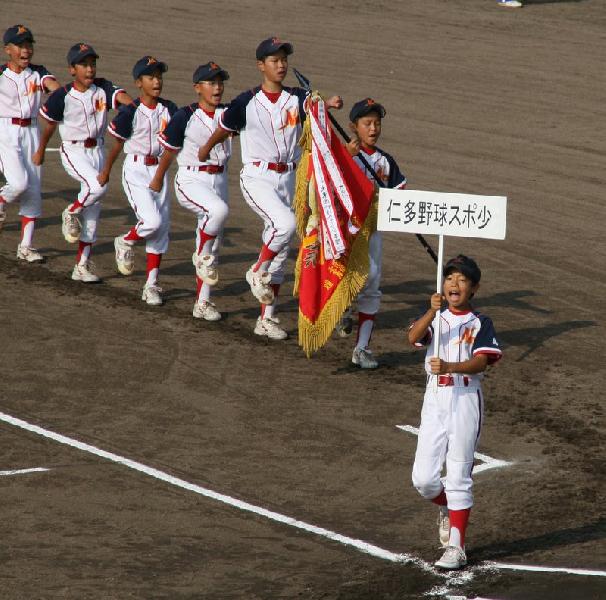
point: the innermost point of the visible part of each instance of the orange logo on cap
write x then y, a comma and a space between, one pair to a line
276, 41
84, 47
214, 65
21, 29
151, 60
370, 102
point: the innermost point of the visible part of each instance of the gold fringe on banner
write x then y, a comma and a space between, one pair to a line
312, 336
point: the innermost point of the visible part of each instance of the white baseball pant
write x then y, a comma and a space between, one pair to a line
204, 194
270, 195
83, 165
17, 145
152, 209
451, 422
369, 298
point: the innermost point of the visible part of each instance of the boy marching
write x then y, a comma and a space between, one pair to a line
21, 87
80, 110
200, 185
365, 123
135, 129
452, 414
269, 119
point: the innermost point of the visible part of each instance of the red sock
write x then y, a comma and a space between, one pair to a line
27, 230
458, 520
204, 237
153, 261
266, 255
199, 284
367, 331
75, 206
82, 247
440, 499
132, 236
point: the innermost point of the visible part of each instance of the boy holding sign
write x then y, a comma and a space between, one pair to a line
452, 413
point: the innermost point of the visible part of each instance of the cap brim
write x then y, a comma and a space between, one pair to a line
468, 272
224, 75
286, 46
21, 39
80, 58
149, 69
366, 110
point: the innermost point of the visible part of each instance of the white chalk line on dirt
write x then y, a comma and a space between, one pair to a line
488, 461
360, 545
22, 471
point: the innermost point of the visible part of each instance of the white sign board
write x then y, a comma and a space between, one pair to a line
462, 215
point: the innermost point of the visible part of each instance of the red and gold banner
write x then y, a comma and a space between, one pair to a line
335, 218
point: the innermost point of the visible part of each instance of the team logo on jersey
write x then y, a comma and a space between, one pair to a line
100, 105
32, 88
381, 174
292, 119
467, 337
163, 124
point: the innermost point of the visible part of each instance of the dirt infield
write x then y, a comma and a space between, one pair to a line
480, 99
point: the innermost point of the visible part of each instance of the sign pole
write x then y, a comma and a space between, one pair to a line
437, 327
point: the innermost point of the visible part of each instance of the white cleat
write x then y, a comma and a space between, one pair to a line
270, 328
206, 269
29, 254
206, 310
444, 526
363, 358
260, 286
510, 3
125, 256
70, 226
152, 294
453, 558
85, 273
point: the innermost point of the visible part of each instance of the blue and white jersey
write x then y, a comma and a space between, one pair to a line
81, 115
269, 131
462, 336
139, 126
384, 166
190, 128
21, 93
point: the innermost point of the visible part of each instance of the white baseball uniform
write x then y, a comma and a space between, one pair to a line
201, 187
451, 418
82, 118
386, 168
269, 136
20, 97
138, 126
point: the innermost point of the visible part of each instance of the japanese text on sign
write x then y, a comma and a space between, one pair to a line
463, 215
